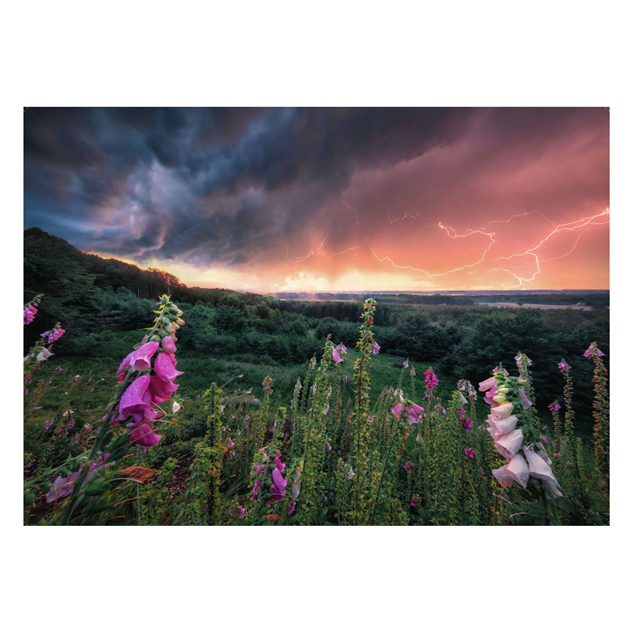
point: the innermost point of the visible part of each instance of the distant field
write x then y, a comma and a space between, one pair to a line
537, 306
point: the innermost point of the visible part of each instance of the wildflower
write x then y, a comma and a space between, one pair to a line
328, 446
44, 354
277, 488
412, 372
554, 407
376, 349
538, 468
77, 377
469, 452
138, 360
569, 463
413, 412
345, 378
341, 349
431, 379
240, 511
467, 424
544, 439
255, 492
29, 314
563, 366
291, 506
409, 466
525, 400
336, 358
144, 436
557, 454
87, 427
590, 348
519, 361
413, 502
231, 443
47, 425
516, 471
509, 444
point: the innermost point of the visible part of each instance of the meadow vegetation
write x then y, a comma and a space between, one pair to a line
302, 412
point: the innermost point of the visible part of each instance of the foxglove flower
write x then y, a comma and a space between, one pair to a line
413, 412
540, 469
509, 444
336, 358
277, 489
469, 453
516, 471
376, 349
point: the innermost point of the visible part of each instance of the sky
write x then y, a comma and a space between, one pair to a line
330, 199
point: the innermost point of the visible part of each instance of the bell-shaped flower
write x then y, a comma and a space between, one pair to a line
413, 412
336, 358
168, 344
539, 468
163, 366
277, 462
143, 435
516, 471
138, 360
376, 349
509, 444
501, 412
277, 489
61, 487
519, 469
503, 426
136, 400
487, 384
161, 390
44, 354
526, 403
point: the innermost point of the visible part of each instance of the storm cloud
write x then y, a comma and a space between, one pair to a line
260, 188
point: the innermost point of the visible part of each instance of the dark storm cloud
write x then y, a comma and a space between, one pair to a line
228, 184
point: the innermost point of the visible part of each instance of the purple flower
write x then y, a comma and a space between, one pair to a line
376, 349
525, 401
277, 489
587, 352
413, 502
554, 407
231, 444
431, 379
413, 412
563, 366
544, 439
335, 357
556, 454
291, 506
47, 425
467, 424
469, 453
255, 493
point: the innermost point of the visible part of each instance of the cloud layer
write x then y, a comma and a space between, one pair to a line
314, 198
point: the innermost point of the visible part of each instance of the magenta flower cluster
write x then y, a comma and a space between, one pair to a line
146, 391
29, 314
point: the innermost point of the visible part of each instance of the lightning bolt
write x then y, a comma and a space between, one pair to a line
311, 253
